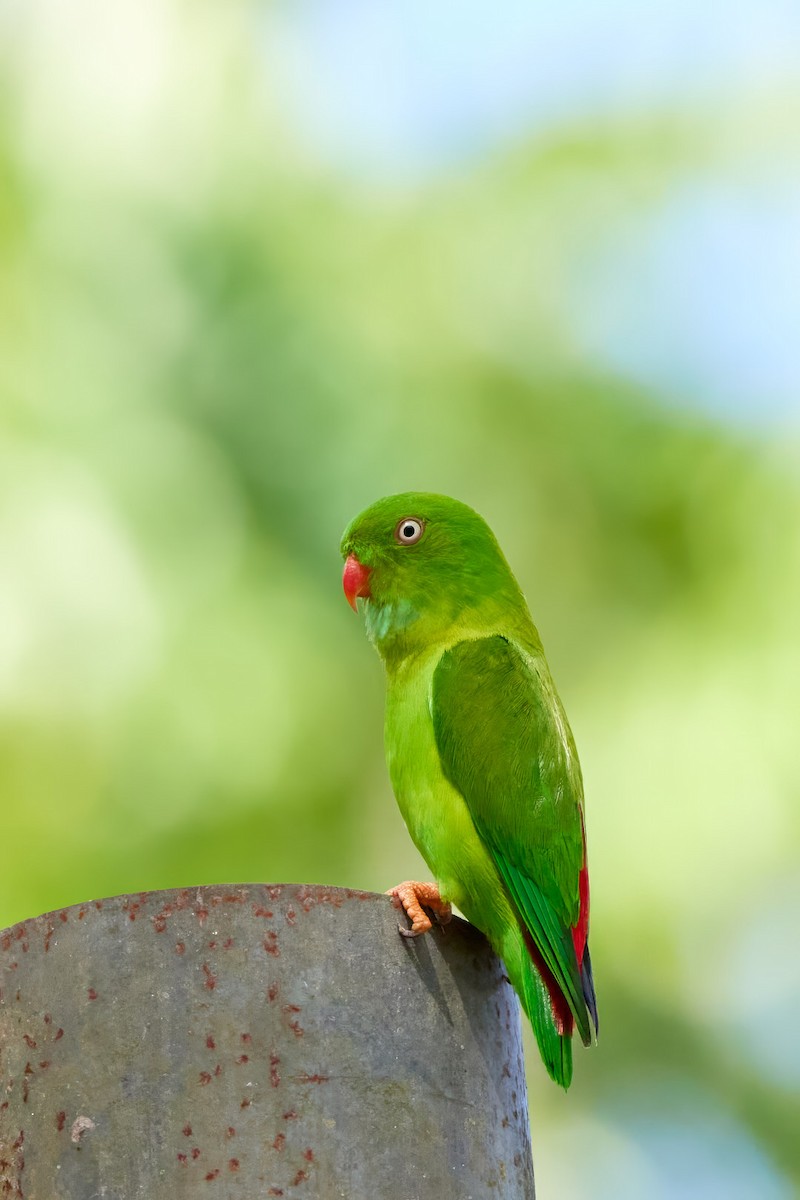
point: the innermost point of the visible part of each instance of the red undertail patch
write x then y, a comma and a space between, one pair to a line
562, 1014
581, 930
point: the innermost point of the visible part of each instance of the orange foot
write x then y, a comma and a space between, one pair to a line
412, 896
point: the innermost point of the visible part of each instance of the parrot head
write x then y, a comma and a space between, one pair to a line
422, 563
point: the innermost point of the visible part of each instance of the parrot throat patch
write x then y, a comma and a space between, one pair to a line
385, 621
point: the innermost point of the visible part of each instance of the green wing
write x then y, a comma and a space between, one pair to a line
504, 743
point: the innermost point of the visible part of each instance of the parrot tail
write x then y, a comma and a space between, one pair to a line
552, 1027
587, 982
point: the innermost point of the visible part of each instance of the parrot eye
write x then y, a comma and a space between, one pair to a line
408, 531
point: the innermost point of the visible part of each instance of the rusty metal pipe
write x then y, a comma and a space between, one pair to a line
252, 1042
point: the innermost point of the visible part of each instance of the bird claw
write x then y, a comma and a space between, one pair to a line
405, 932
415, 898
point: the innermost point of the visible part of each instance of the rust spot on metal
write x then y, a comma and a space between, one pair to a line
210, 1043
308, 1155
299, 1178
272, 992
61, 1120
242, 1059
205, 1078
211, 979
91, 993
62, 916
28, 1069
271, 944
180, 948
28, 1040
233, 1164
246, 1038
5, 941
291, 1115
274, 1076
226, 945
212, 945
47, 1019
305, 1078
195, 1152
291, 916
201, 914
245, 1103
160, 918
59, 1035
230, 1132
44, 1064
280, 1142
183, 1160
275, 892
273, 1191
260, 911
218, 1070
212, 1175
187, 1130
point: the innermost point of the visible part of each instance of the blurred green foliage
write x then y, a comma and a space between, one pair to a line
213, 353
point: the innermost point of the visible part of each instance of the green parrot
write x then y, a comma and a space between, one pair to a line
480, 755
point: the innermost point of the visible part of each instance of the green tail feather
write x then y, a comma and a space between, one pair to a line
556, 1050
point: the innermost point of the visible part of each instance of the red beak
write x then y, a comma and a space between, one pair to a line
355, 581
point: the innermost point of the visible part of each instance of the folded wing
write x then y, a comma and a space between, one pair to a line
504, 743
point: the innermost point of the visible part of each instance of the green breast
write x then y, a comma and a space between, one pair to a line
435, 813
411, 754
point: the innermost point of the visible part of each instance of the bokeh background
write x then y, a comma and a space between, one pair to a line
262, 263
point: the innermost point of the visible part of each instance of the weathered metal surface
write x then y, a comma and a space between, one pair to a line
254, 1042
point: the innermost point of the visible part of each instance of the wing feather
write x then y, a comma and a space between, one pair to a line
504, 743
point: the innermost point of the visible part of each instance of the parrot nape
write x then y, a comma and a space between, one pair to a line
480, 755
